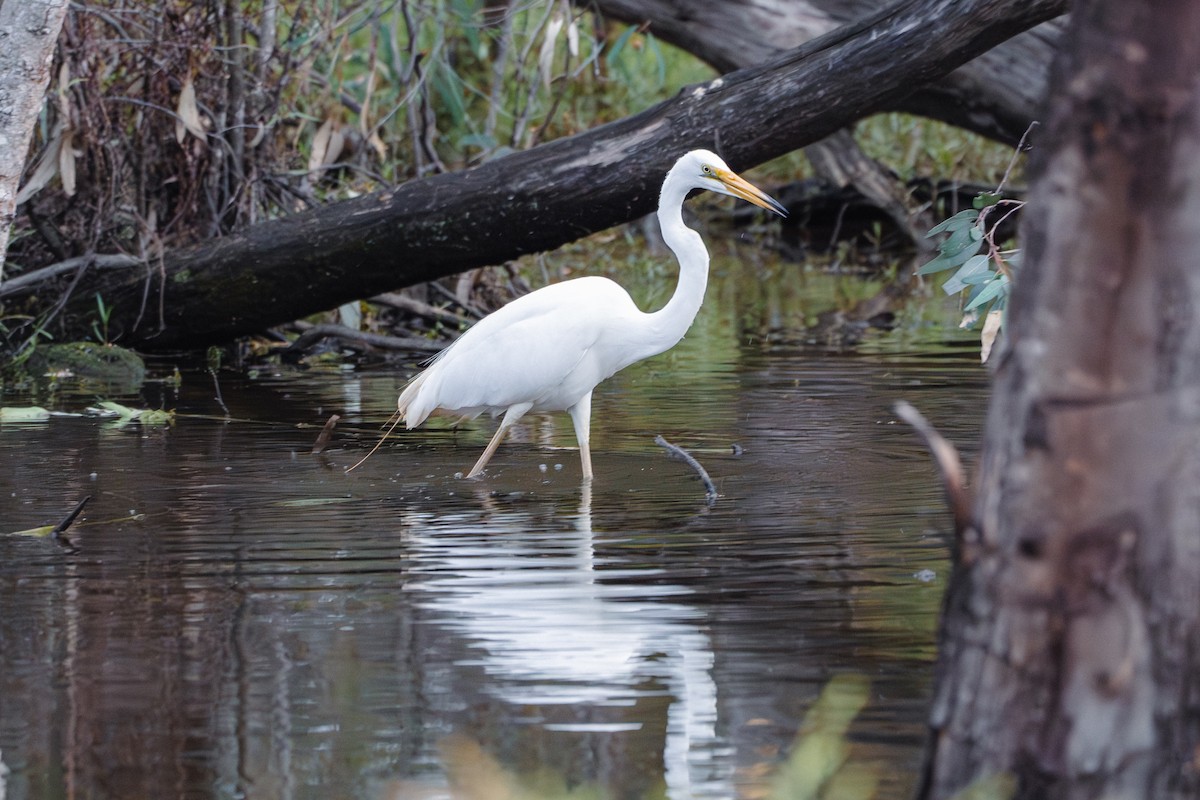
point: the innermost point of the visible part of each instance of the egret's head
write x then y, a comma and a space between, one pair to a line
709, 171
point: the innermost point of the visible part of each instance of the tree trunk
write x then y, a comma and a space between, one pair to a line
28, 31
1070, 646
540, 198
996, 94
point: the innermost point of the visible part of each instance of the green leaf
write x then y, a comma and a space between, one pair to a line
448, 84
987, 292
953, 259
986, 199
960, 221
480, 140
614, 52
974, 270
40, 532
118, 409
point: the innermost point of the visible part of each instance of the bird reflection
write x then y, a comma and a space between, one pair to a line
554, 626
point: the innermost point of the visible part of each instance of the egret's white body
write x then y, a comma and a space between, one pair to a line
547, 350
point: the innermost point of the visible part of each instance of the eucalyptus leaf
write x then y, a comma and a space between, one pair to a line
951, 260
614, 52
972, 267
963, 219
988, 292
480, 140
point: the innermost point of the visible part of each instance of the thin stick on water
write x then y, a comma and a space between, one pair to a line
217, 386
679, 454
395, 420
326, 433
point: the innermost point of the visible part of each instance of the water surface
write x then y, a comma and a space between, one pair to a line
237, 617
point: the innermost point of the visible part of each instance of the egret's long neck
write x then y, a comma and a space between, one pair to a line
667, 326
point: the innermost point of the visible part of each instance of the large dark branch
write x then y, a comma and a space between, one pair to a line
996, 94
541, 198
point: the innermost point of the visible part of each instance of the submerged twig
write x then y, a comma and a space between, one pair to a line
949, 465
326, 432
679, 454
217, 386
61, 527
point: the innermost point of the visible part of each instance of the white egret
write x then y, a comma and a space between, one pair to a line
547, 350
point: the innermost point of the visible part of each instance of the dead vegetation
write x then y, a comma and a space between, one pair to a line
175, 123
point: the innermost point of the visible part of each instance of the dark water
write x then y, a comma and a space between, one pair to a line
240, 618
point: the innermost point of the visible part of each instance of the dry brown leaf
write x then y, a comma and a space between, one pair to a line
991, 328
378, 145
188, 120
573, 38
546, 55
66, 163
364, 114
320, 145
260, 133
64, 83
337, 143
45, 170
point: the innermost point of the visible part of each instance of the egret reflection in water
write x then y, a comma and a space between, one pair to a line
553, 627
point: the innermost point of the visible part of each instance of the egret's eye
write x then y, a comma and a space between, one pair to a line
706, 169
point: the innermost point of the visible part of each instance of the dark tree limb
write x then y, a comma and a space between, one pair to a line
315, 333
541, 198
996, 94
838, 160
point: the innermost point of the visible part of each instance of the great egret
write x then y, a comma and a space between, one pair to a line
547, 350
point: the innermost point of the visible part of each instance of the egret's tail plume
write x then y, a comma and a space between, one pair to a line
405, 403
395, 420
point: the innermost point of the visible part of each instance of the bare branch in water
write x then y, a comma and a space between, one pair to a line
69, 518
326, 432
949, 465
679, 454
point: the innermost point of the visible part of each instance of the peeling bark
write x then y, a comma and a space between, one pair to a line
28, 31
1071, 633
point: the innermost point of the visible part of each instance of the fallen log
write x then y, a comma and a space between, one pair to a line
536, 199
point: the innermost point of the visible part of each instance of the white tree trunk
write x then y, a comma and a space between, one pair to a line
28, 31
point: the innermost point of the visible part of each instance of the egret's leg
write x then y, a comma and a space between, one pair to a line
513, 414
581, 415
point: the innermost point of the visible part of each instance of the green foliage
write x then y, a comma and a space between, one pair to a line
100, 324
820, 765
984, 279
916, 146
